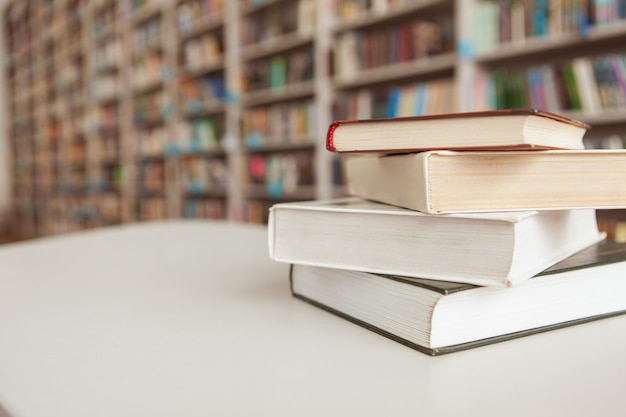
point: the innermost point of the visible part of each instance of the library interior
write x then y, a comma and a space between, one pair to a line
175, 205
120, 111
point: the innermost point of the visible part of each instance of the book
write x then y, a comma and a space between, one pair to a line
437, 317
491, 249
455, 182
493, 129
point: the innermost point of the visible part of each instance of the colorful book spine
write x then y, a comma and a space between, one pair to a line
583, 84
415, 99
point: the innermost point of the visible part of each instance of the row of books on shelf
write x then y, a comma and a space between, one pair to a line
351, 10
278, 20
412, 99
497, 23
108, 56
282, 174
155, 209
148, 35
456, 224
191, 136
103, 118
104, 20
192, 14
205, 209
203, 175
64, 105
152, 208
148, 71
110, 178
68, 76
583, 84
151, 177
199, 135
77, 214
279, 124
106, 87
203, 94
280, 71
150, 107
77, 153
395, 44
106, 149
151, 142
203, 52
198, 95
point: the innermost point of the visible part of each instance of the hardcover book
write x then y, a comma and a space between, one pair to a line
495, 129
455, 182
493, 249
437, 317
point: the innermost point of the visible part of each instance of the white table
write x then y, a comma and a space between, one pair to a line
187, 319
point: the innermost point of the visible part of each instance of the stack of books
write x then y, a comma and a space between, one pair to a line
461, 229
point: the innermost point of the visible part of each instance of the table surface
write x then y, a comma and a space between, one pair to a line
192, 318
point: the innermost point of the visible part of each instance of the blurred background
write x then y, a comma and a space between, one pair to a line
118, 111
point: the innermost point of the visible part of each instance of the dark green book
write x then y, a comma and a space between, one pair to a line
437, 317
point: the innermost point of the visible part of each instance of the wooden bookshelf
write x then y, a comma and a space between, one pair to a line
125, 110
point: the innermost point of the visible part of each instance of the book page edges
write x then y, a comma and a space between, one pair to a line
441, 350
399, 180
572, 231
271, 241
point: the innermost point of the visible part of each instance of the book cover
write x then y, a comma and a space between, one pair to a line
578, 285
494, 129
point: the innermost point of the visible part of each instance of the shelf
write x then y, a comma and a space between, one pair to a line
205, 195
148, 88
207, 153
276, 46
195, 110
401, 12
202, 71
600, 118
599, 40
207, 25
289, 92
145, 13
150, 159
443, 64
260, 6
302, 144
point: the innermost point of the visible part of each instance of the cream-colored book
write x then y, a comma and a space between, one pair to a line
508, 129
457, 182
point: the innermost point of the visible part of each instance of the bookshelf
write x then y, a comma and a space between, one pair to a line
128, 110
566, 58
280, 102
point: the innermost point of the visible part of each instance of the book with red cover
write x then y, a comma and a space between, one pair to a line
515, 129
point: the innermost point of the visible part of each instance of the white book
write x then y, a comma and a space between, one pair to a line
494, 249
438, 317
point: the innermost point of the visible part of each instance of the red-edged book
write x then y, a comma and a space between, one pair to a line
515, 129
